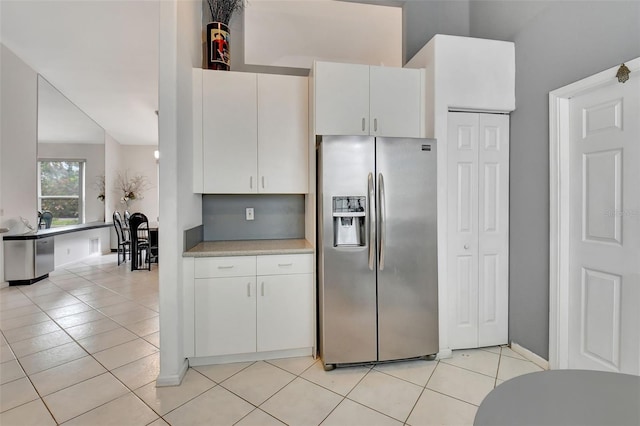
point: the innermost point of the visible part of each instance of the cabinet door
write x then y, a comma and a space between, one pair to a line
225, 316
283, 134
229, 132
285, 312
341, 99
395, 102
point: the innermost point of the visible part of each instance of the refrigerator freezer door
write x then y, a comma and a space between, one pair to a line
347, 291
408, 282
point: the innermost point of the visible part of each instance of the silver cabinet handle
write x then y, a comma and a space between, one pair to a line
262, 182
225, 267
250, 182
282, 265
372, 222
262, 289
382, 223
248, 289
363, 124
375, 124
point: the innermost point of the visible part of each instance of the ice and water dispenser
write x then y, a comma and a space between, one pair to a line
349, 221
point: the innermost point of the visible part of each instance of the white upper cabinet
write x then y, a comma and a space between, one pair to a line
367, 100
283, 133
229, 132
341, 99
254, 134
395, 95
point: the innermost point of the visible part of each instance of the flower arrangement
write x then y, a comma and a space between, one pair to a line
131, 188
221, 10
100, 187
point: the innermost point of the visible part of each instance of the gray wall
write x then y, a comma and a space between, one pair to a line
422, 19
557, 43
276, 217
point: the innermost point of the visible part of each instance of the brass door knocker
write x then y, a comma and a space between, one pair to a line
623, 73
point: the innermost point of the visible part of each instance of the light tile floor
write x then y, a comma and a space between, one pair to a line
81, 348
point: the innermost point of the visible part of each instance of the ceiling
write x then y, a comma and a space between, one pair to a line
101, 54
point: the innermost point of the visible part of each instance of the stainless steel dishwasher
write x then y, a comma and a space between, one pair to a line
28, 260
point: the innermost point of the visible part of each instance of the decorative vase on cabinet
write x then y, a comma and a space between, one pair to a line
218, 52
218, 46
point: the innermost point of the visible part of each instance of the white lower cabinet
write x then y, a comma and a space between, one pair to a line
225, 310
267, 307
284, 307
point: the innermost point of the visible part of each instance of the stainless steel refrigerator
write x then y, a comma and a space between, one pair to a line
377, 257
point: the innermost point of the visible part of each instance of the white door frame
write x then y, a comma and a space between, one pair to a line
559, 220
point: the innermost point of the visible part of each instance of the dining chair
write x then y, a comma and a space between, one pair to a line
124, 243
140, 241
44, 220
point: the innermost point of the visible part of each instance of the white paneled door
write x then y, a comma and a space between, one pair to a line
478, 209
604, 270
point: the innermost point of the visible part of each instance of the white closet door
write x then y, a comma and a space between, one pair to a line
478, 208
462, 209
493, 229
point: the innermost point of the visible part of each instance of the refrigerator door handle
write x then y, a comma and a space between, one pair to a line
372, 223
382, 219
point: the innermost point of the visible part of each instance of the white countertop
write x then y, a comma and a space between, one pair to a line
249, 248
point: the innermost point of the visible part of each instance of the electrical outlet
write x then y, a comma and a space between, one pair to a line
249, 213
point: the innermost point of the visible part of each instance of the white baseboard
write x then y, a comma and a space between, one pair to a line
444, 354
535, 358
253, 356
173, 379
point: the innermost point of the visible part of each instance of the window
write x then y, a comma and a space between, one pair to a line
61, 190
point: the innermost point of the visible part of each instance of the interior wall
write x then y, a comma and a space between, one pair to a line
180, 51
558, 43
421, 20
19, 141
139, 160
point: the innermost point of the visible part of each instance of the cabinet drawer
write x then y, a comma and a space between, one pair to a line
215, 267
285, 264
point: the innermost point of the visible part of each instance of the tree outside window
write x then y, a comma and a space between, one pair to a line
61, 190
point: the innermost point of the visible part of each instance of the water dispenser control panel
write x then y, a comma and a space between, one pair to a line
349, 220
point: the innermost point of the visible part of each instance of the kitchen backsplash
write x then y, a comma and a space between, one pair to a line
278, 216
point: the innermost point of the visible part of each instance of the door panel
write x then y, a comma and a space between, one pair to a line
285, 304
407, 272
600, 310
283, 134
493, 230
229, 132
347, 292
604, 271
463, 232
225, 316
395, 102
342, 99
